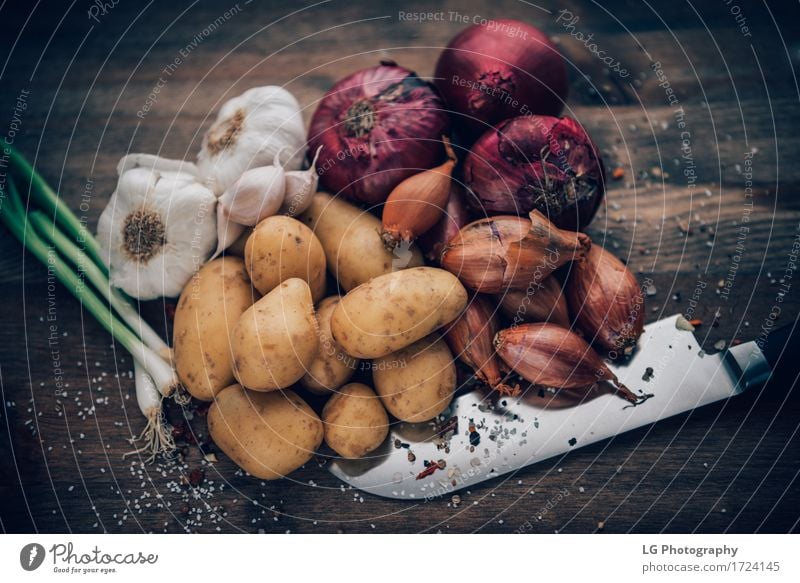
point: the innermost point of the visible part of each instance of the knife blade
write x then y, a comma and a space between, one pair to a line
516, 432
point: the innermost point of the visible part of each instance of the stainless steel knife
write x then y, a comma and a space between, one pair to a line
514, 433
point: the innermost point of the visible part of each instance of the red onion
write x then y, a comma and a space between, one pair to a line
377, 127
537, 162
456, 215
500, 69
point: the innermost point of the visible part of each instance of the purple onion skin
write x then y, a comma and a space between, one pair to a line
506, 174
377, 126
489, 73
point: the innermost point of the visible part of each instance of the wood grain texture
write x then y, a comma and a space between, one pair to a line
730, 467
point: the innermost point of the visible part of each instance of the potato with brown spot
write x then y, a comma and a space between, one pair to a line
352, 241
207, 312
268, 435
417, 382
395, 310
355, 421
332, 367
281, 248
276, 339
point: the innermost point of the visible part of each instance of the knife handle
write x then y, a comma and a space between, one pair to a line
774, 357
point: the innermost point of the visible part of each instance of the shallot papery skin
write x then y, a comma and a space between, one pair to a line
548, 355
499, 69
506, 252
471, 338
606, 301
545, 302
378, 126
537, 162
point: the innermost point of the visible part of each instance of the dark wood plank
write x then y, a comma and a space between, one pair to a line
728, 467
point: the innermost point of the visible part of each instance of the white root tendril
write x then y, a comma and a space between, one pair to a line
181, 396
155, 439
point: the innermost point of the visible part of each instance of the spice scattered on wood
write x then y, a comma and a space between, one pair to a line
430, 468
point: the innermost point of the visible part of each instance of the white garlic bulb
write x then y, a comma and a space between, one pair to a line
249, 131
158, 228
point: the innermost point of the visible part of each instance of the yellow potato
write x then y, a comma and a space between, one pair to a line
332, 367
276, 339
394, 310
355, 421
352, 241
268, 435
208, 310
281, 248
417, 382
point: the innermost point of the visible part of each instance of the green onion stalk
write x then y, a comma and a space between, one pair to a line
44, 238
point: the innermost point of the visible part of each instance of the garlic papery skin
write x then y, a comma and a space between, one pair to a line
249, 131
157, 230
156, 163
301, 185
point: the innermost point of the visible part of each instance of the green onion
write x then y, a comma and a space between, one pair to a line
14, 218
113, 296
47, 199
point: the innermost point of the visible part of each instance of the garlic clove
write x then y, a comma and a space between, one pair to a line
228, 231
301, 185
257, 194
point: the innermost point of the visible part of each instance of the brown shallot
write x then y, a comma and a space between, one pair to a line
551, 356
415, 205
471, 339
544, 302
507, 252
606, 301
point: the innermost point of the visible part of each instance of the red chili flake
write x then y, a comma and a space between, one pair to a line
430, 468
696, 322
618, 173
196, 477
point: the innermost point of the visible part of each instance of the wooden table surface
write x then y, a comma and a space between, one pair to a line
75, 91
